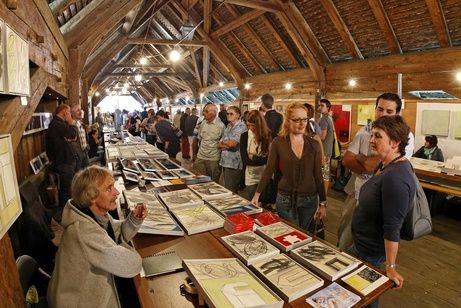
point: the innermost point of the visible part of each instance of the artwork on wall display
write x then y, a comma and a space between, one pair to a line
226, 283
287, 277
10, 202
457, 133
342, 121
435, 122
365, 280
284, 236
44, 158
210, 190
365, 114
324, 259
233, 205
198, 219
249, 247
333, 296
178, 199
17, 63
36, 164
2, 57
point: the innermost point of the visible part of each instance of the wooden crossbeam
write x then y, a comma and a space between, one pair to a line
156, 41
341, 27
440, 24
256, 4
152, 74
237, 23
150, 66
385, 25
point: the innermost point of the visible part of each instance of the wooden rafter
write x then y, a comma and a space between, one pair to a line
152, 74
150, 66
155, 41
130, 19
440, 24
207, 8
215, 47
236, 60
385, 25
252, 33
237, 23
144, 17
255, 4
342, 29
196, 68
57, 6
268, 24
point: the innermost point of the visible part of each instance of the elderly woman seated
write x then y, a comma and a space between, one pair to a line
94, 253
430, 150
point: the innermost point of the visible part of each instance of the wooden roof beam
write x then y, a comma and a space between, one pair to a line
256, 39
150, 66
440, 24
57, 6
340, 25
247, 53
237, 23
255, 4
130, 19
143, 17
156, 41
279, 39
196, 68
152, 74
385, 25
207, 9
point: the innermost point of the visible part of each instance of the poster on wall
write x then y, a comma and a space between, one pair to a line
10, 202
436, 122
365, 114
458, 125
2, 57
341, 115
17, 63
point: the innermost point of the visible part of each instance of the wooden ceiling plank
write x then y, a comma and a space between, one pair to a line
143, 17
342, 29
248, 54
151, 74
385, 25
130, 19
207, 9
150, 66
440, 24
196, 68
58, 6
236, 60
256, 4
252, 33
279, 39
169, 26
156, 41
237, 23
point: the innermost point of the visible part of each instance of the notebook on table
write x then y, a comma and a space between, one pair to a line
161, 263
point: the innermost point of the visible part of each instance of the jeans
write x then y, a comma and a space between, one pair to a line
377, 261
298, 209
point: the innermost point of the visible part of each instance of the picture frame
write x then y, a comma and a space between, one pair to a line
36, 164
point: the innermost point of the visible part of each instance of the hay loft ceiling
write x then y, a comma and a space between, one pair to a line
237, 39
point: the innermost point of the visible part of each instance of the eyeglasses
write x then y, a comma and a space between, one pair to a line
300, 120
230, 113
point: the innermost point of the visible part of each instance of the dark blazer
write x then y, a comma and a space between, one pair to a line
436, 155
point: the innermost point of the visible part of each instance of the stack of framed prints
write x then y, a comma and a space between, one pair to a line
227, 283
182, 173
249, 247
179, 199
365, 280
167, 164
198, 219
233, 205
149, 164
284, 236
324, 259
287, 277
210, 191
333, 296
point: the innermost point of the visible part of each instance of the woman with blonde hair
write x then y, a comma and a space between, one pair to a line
299, 159
254, 150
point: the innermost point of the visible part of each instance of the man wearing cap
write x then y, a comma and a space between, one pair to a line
274, 119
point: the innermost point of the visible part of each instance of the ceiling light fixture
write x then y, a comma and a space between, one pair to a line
221, 84
352, 82
247, 86
288, 86
458, 76
97, 94
138, 77
126, 85
143, 61
174, 55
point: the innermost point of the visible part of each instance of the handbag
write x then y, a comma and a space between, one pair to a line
418, 221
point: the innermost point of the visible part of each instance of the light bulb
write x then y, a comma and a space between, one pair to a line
352, 82
221, 84
143, 61
107, 90
288, 86
97, 94
458, 76
138, 77
174, 55
247, 85
126, 85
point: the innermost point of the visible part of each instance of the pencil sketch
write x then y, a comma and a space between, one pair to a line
134, 197
210, 190
151, 176
233, 205
159, 221
198, 219
249, 247
17, 59
289, 278
180, 199
227, 283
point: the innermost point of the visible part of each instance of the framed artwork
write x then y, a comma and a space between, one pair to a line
198, 219
2, 57
44, 158
342, 121
365, 114
458, 125
10, 202
210, 191
182, 198
436, 122
36, 164
17, 63
233, 205
38, 122
283, 236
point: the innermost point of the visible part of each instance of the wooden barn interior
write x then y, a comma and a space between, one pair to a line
232, 52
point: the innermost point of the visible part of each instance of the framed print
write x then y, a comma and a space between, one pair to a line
2, 58
17, 63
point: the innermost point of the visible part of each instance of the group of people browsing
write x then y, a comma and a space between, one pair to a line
94, 254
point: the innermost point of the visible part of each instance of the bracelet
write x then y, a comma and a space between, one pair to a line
323, 203
391, 265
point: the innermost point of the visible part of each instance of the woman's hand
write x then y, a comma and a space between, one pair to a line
255, 199
321, 213
140, 211
395, 277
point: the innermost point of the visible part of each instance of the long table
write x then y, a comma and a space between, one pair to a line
449, 184
164, 290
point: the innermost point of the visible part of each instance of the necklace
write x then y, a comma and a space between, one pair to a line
382, 167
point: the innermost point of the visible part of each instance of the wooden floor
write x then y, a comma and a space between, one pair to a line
431, 266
